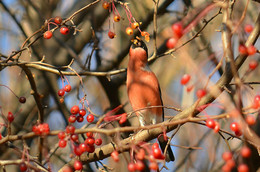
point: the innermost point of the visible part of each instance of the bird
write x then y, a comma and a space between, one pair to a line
143, 90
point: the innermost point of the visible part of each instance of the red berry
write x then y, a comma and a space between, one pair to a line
64, 30
47, 34
62, 143
83, 147
77, 151
153, 166
250, 120
134, 25
90, 141
89, 134
155, 146
217, 127
74, 110
74, 137
114, 155
227, 156
248, 28
117, 18
185, 79
70, 129
45, 128
242, 49
67, 168
111, 34
140, 154
72, 118
189, 88
157, 153
90, 118
90, 149
129, 31
234, 126
106, 5
98, 142
67, 88
231, 163
243, 168
245, 152
139, 165
61, 92
78, 165
131, 166
256, 101
58, 20
251, 50
253, 64
61, 135
201, 93
210, 123
10, 117
80, 118
171, 43
177, 29
22, 99
82, 112
23, 166
238, 133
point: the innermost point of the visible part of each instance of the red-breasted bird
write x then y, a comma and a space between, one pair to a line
143, 90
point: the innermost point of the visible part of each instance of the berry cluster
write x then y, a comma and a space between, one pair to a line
41, 129
230, 164
137, 160
78, 114
57, 21
213, 125
61, 92
133, 24
177, 34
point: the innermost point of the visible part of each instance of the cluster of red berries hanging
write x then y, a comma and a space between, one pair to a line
61, 92
177, 34
57, 21
133, 24
230, 164
211, 123
78, 115
41, 129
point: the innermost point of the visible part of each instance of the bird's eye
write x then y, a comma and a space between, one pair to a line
139, 44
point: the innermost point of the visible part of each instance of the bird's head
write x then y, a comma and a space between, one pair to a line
138, 51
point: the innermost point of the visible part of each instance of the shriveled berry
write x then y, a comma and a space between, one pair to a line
22, 99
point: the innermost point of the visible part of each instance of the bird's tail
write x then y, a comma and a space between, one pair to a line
169, 154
